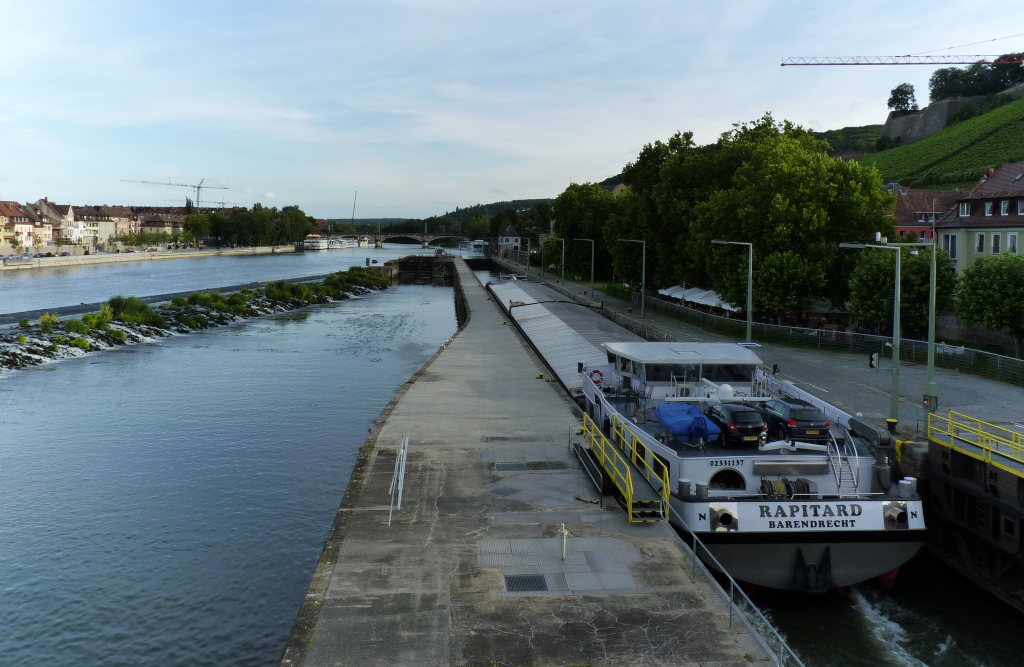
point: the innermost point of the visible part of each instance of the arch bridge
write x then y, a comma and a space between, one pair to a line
424, 239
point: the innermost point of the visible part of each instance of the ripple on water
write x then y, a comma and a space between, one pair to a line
169, 507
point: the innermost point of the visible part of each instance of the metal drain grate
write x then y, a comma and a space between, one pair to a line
525, 583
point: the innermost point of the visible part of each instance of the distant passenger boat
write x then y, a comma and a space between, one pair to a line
315, 242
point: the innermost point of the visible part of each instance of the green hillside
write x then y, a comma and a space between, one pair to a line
959, 155
851, 138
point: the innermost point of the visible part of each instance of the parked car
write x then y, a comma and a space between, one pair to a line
795, 420
740, 424
65, 254
150, 249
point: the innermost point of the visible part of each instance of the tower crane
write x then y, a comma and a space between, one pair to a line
1013, 59
198, 187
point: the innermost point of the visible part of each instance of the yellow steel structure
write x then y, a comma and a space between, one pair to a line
979, 439
646, 462
616, 463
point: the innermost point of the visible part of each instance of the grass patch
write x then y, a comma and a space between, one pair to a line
46, 322
117, 336
179, 301
133, 310
81, 343
76, 326
187, 320
23, 339
23, 322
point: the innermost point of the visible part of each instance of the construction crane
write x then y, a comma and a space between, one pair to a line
199, 187
1014, 59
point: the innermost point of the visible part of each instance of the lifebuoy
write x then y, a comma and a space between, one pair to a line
599, 374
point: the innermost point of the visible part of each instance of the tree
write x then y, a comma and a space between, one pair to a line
992, 293
779, 190
197, 225
976, 79
872, 287
478, 227
581, 212
902, 100
786, 282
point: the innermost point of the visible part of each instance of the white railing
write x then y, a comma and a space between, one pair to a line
398, 477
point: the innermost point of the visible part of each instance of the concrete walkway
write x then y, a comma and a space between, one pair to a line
845, 380
470, 571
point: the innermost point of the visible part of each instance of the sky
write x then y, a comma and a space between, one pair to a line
424, 106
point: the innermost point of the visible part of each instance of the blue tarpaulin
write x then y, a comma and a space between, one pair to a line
685, 421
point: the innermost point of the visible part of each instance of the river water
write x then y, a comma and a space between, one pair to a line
166, 504
33, 289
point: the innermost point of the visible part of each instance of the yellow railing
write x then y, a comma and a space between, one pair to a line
997, 444
648, 468
606, 453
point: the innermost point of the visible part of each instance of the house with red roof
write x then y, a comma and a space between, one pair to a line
987, 220
917, 210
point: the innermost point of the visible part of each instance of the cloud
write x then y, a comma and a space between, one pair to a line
270, 195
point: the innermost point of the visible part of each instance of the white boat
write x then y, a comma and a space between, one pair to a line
315, 242
342, 244
784, 514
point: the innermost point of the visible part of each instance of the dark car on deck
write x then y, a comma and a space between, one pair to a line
740, 424
795, 420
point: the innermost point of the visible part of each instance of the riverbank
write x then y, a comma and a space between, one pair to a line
489, 484
135, 256
49, 339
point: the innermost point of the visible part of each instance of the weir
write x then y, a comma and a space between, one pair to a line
500, 552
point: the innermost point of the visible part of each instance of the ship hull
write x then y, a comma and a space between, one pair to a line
786, 562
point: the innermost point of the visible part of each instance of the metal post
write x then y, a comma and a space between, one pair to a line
563, 260
750, 303
894, 391
930, 389
643, 277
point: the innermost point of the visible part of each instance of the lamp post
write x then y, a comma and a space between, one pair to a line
894, 388
750, 280
563, 259
643, 271
591, 263
931, 390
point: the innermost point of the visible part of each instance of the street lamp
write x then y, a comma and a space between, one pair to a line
750, 280
591, 263
563, 258
643, 271
930, 390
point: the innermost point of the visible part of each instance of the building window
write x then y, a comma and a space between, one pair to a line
903, 233
949, 244
1011, 244
995, 243
920, 217
980, 246
1020, 207
965, 208
988, 208
1004, 207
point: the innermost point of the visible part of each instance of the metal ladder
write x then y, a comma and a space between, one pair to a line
845, 473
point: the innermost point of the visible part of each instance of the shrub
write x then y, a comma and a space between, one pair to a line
23, 322
132, 309
59, 340
75, 326
199, 299
117, 335
23, 339
80, 342
46, 322
179, 301
187, 320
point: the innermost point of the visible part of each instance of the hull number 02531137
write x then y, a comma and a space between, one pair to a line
725, 463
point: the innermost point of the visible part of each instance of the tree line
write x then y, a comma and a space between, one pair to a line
771, 184
258, 226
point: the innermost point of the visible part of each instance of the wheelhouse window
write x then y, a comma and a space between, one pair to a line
722, 373
965, 208
665, 372
1004, 207
988, 208
980, 245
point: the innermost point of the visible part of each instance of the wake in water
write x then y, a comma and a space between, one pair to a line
908, 638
